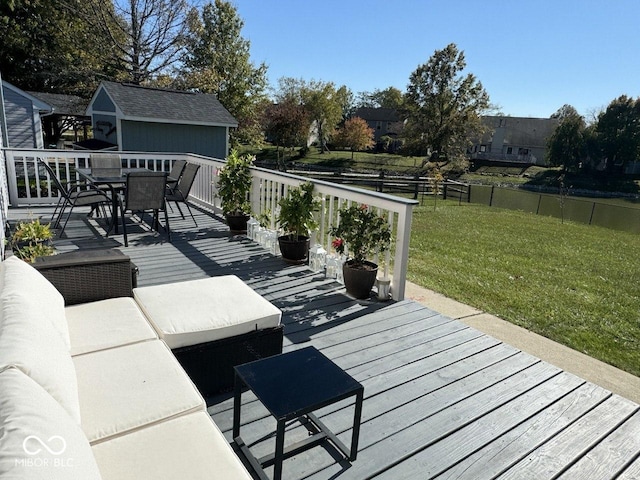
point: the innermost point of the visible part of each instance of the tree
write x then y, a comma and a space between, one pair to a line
286, 124
390, 97
442, 107
48, 47
146, 37
356, 135
564, 112
218, 61
326, 106
618, 132
567, 146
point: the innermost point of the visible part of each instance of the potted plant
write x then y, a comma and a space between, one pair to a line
296, 218
31, 239
361, 232
234, 186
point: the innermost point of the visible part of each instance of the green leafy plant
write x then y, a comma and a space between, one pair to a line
31, 239
234, 184
360, 233
296, 216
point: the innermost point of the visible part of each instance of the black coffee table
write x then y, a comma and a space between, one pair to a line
290, 386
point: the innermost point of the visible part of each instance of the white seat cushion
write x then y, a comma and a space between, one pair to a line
38, 439
189, 446
125, 388
29, 341
20, 277
106, 324
199, 311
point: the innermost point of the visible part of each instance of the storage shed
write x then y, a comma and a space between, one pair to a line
22, 117
137, 118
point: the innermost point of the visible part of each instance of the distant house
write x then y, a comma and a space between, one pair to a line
514, 140
22, 114
383, 121
135, 118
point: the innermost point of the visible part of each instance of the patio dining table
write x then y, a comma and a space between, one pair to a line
116, 184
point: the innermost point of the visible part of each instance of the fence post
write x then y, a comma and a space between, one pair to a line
491, 197
417, 186
381, 181
444, 190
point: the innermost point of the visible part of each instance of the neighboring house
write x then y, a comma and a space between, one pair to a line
384, 121
22, 113
68, 114
514, 140
136, 118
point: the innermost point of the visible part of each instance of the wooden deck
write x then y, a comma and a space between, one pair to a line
442, 400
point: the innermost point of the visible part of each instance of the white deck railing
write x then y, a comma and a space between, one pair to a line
28, 185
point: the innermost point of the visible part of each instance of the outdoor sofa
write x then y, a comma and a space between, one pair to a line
89, 389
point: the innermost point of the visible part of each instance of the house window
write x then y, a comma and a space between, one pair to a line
509, 150
503, 122
523, 151
483, 148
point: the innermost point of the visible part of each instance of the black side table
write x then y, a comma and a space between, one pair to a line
290, 386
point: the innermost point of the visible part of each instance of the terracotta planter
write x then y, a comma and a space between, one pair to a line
293, 251
237, 223
359, 281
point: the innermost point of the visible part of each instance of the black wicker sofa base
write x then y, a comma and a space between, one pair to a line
220, 356
89, 276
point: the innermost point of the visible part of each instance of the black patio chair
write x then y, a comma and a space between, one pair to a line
74, 194
180, 193
145, 192
176, 172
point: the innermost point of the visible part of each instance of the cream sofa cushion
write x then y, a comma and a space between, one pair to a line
122, 389
190, 446
29, 341
38, 439
106, 324
21, 278
199, 311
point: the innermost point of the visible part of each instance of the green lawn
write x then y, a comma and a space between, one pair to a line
575, 284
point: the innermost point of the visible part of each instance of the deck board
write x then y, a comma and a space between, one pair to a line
442, 400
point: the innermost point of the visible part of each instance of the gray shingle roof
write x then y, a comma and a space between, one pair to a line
63, 104
159, 104
521, 131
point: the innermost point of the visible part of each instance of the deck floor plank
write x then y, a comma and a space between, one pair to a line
441, 399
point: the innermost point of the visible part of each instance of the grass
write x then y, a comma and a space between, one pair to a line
578, 285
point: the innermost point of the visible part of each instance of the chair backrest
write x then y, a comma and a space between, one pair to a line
177, 168
105, 165
54, 178
145, 191
186, 180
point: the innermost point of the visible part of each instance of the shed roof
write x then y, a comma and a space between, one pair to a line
155, 104
63, 104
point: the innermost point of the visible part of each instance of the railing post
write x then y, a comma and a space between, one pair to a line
12, 180
401, 260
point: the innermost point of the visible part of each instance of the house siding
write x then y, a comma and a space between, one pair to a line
104, 128
22, 130
102, 103
167, 137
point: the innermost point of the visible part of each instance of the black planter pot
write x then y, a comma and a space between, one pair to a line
237, 223
294, 251
359, 281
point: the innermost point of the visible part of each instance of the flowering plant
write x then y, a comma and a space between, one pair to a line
360, 233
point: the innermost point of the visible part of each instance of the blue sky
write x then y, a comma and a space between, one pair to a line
532, 56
